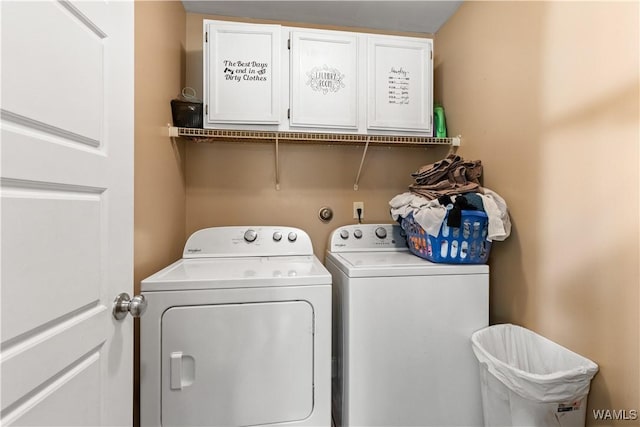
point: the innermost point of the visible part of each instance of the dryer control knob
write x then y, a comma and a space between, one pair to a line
357, 234
381, 233
344, 234
277, 236
250, 235
292, 237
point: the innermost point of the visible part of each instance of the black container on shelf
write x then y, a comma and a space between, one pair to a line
186, 114
187, 111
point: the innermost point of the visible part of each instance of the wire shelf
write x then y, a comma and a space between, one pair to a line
217, 135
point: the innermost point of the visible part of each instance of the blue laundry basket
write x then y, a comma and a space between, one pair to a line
467, 244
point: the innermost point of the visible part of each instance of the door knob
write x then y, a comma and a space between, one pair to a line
123, 304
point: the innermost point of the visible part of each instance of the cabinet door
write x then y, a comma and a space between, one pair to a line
241, 73
400, 81
324, 79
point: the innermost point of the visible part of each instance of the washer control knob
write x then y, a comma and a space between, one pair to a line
344, 234
357, 234
277, 236
292, 237
250, 235
381, 233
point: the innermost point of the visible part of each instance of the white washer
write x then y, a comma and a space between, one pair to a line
238, 333
402, 332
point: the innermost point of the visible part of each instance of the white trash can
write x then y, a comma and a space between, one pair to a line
528, 380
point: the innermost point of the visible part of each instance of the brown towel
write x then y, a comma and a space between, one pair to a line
449, 176
430, 174
444, 188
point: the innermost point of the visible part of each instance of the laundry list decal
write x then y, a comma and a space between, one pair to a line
398, 86
324, 79
245, 70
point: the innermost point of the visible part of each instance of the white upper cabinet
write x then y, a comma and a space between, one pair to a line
400, 83
242, 72
324, 79
327, 81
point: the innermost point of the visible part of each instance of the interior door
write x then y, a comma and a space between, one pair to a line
67, 212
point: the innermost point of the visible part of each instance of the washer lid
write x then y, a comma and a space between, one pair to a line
244, 272
393, 263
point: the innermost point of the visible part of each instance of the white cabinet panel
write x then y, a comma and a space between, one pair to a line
241, 73
324, 79
400, 83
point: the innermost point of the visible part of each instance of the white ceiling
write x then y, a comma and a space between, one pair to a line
411, 16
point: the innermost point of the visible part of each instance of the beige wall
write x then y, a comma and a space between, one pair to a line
234, 183
159, 162
546, 94
160, 66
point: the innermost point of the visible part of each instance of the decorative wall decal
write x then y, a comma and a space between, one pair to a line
245, 70
398, 86
324, 79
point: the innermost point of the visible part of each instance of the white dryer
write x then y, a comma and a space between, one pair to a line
402, 332
238, 333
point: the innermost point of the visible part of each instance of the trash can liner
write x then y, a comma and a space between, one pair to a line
533, 366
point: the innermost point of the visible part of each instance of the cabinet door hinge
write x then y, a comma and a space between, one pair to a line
206, 109
289, 44
206, 37
288, 113
431, 54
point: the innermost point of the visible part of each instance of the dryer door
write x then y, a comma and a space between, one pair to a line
237, 364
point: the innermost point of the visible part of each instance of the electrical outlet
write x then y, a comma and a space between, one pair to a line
356, 206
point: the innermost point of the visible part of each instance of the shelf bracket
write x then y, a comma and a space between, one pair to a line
364, 154
173, 131
277, 164
455, 143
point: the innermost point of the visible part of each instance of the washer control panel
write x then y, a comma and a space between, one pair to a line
367, 237
247, 241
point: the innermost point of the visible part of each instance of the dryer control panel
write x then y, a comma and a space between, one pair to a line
368, 237
248, 241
